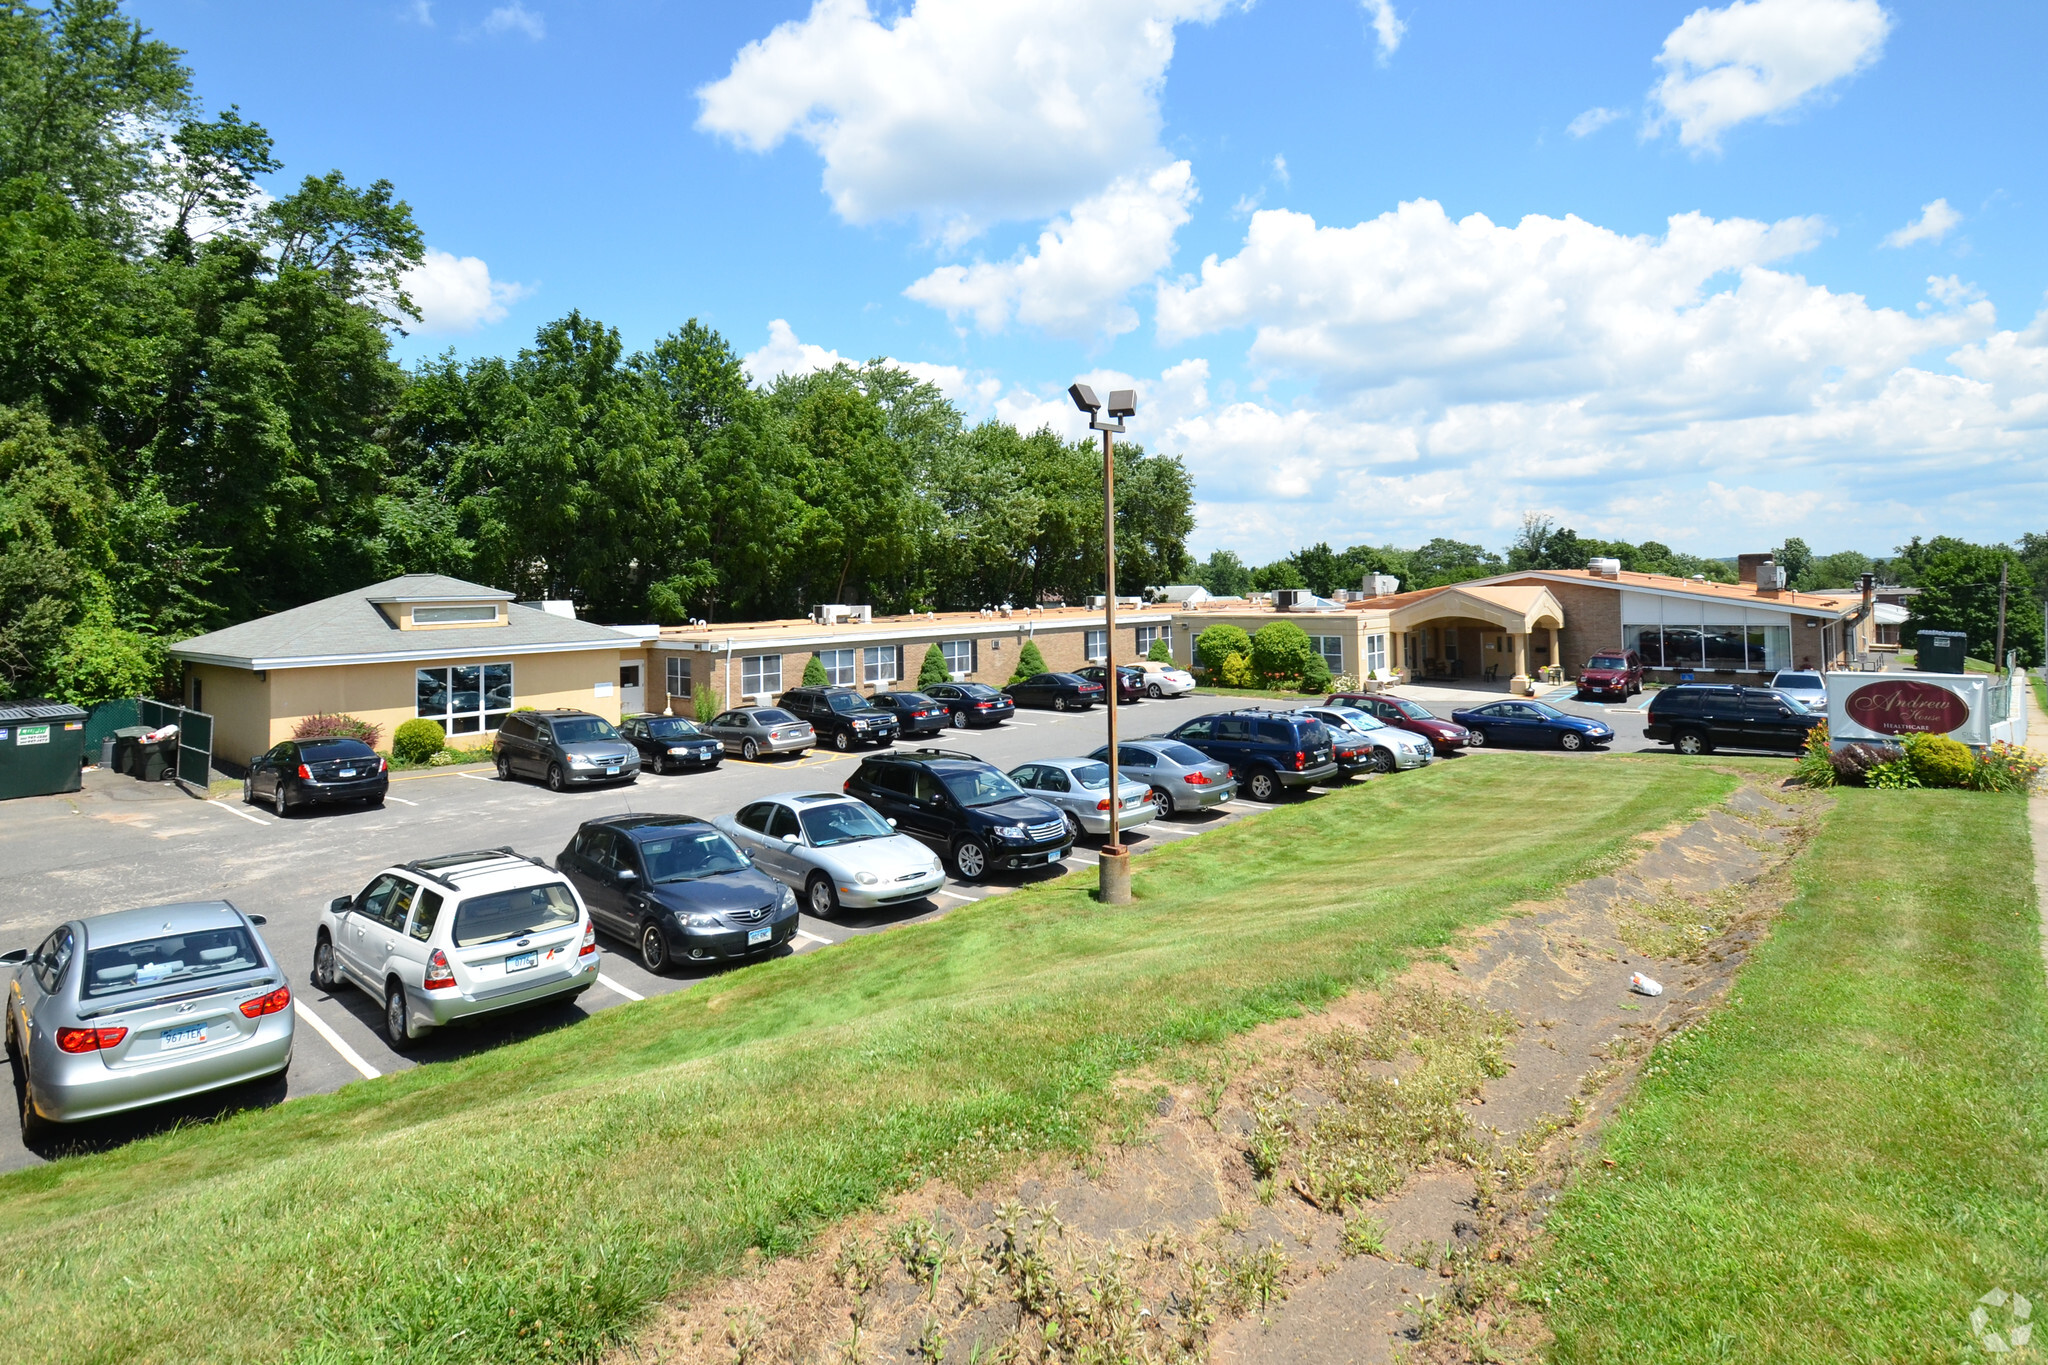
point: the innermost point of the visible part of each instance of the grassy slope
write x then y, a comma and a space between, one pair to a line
1853, 1150
566, 1181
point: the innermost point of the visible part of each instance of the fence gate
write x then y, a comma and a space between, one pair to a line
195, 738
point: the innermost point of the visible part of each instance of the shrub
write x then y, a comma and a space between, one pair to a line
328, 726
1236, 671
1939, 761
1853, 762
814, 673
1894, 774
1160, 653
1030, 663
704, 703
933, 671
1315, 679
1281, 652
2005, 768
417, 741
1216, 644
1816, 767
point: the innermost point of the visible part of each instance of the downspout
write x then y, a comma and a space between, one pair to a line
1862, 613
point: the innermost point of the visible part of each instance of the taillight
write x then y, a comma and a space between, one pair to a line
1300, 759
1103, 804
589, 939
382, 765
1196, 779
279, 999
440, 976
983, 705
305, 773
76, 1040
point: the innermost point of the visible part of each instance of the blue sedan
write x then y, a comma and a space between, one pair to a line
1531, 723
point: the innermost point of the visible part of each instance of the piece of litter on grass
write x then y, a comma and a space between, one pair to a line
1643, 985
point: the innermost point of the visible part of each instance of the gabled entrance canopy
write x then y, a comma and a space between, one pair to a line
1457, 631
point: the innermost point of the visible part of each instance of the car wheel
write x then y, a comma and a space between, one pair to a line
556, 779
1164, 800
1263, 785
1571, 741
397, 1019
324, 976
34, 1127
842, 741
819, 895
1691, 742
278, 801
1073, 824
1475, 738
749, 750
1383, 760
248, 791
653, 948
970, 860
957, 719
1059, 703
504, 767
1155, 692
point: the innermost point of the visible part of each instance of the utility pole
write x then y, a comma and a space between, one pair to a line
2004, 569
1113, 864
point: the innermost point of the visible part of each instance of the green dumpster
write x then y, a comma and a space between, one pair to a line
42, 748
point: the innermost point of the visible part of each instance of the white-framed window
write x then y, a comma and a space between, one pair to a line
1331, 647
678, 675
1095, 645
881, 663
959, 656
760, 674
839, 666
1147, 637
1375, 654
465, 698
451, 616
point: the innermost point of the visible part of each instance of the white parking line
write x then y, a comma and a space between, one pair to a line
954, 895
1083, 854
1032, 724
237, 810
301, 1010
399, 799
815, 938
477, 777
616, 989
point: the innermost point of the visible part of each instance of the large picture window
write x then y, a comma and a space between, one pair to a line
959, 656
465, 698
678, 676
878, 664
1713, 648
760, 674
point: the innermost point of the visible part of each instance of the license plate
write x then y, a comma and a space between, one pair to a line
183, 1037
522, 962
346, 772
612, 771
761, 935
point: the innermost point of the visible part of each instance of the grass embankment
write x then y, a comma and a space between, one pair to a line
1854, 1149
528, 1203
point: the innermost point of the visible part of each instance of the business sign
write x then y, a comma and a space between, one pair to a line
32, 734
1864, 706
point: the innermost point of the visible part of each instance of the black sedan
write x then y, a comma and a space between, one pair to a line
670, 742
1060, 691
972, 703
677, 889
315, 772
1532, 724
916, 713
1130, 682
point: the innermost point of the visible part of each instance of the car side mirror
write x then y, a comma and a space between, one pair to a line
341, 905
627, 874
792, 838
892, 824
14, 955
258, 919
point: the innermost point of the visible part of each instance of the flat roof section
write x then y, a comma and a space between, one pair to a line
803, 633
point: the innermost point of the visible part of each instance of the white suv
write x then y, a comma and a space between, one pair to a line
454, 937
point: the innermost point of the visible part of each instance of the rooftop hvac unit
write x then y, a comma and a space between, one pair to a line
1770, 577
838, 613
1286, 599
1381, 585
1606, 568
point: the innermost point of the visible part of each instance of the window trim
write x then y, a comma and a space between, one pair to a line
678, 671
487, 717
456, 615
1095, 645
757, 666
841, 666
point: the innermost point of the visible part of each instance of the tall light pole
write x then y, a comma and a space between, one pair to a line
1114, 862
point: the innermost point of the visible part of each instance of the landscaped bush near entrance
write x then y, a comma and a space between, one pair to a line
1030, 662
1939, 761
327, 725
933, 671
814, 673
1315, 679
1281, 652
418, 740
1217, 644
1161, 652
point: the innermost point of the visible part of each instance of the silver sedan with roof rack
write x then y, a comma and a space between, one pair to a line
118, 1011
457, 937
834, 850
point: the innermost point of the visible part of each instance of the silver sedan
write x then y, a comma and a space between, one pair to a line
137, 1007
1182, 777
1391, 748
751, 731
834, 851
1080, 788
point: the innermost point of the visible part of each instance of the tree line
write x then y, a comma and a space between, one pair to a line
201, 419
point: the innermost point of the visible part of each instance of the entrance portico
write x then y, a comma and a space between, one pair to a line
1478, 633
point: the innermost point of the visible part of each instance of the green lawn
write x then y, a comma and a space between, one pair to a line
529, 1203
1852, 1151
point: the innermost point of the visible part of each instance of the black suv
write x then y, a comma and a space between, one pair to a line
914, 711
964, 808
1268, 750
1700, 718
842, 717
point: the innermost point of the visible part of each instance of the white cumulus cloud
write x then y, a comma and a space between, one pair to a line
1932, 225
1759, 59
1074, 284
1387, 27
457, 294
787, 354
959, 112
1592, 121
516, 17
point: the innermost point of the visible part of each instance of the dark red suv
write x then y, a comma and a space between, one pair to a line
1444, 736
1613, 673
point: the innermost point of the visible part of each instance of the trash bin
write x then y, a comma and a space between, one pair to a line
156, 759
1941, 651
42, 748
127, 748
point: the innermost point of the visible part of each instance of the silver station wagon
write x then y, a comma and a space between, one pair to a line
457, 937
119, 1011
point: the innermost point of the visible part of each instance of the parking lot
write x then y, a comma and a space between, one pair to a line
121, 843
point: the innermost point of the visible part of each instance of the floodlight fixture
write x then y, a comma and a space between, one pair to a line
1084, 398
1123, 403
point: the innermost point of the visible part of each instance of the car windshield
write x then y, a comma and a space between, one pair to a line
1357, 719
1798, 707
772, 715
1810, 681
1414, 710
1182, 754
582, 729
1546, 711
842, 701
170, 959
981, 787
686, 857
978, 691
846, 823
1093, 776
508, 914
672, 727
1608, 661
334, 748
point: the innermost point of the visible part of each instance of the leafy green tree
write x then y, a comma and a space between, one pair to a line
1795, 557
1217, 643
1161, 652
1281, 573
1281, 651
1841, 569
1316, 567
1030, 662
1441, 561
1223, 574
814, 673
2033, 552
933, 671
1958, 584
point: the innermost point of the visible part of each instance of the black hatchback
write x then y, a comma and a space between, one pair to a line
842, 717
916, 714
677, 889
1060, 691
964, 808
1700, 718
315, 772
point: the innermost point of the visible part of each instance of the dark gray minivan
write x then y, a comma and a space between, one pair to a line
564, 748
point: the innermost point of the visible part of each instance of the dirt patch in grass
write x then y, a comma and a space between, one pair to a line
1332, 1188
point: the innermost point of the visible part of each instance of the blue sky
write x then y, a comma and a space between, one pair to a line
1380, 271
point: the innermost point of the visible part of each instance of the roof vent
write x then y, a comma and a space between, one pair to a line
1605, 568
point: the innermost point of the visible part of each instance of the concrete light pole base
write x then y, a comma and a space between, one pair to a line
1113, 870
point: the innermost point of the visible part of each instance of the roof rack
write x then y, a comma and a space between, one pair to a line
432, 868
934, 753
